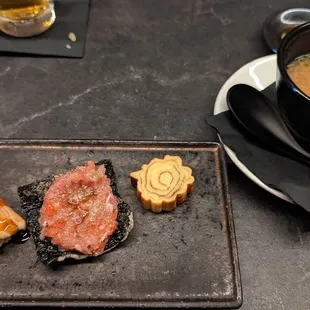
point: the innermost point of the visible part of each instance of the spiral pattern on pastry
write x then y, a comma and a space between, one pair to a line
163, 183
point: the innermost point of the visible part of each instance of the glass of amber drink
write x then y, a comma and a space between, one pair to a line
26, 18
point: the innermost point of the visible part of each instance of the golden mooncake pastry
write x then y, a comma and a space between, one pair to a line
163, 183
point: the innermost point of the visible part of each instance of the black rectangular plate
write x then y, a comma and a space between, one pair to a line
184, 258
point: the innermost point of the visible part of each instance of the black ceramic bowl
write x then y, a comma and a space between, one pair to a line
294, 105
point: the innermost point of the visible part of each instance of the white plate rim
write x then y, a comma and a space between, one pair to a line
218, 108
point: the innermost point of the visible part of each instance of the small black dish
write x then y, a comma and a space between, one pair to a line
294, 105
71, 17
280, 23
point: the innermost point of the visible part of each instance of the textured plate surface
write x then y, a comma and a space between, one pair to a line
185, 258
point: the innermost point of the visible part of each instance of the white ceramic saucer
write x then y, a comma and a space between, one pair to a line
259, 73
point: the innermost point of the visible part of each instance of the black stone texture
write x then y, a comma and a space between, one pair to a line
152, 70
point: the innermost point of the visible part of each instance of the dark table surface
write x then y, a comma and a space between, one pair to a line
152, 70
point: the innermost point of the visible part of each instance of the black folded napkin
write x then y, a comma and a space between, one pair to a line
275, 170
71, 16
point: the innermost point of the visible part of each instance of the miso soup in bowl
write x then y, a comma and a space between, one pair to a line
299, 72
293, 83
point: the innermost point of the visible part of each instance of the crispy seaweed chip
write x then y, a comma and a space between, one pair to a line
31, 197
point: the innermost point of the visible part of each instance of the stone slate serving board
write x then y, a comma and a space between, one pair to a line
185, 258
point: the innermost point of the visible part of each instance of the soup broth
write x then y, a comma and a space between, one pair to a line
299, 72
